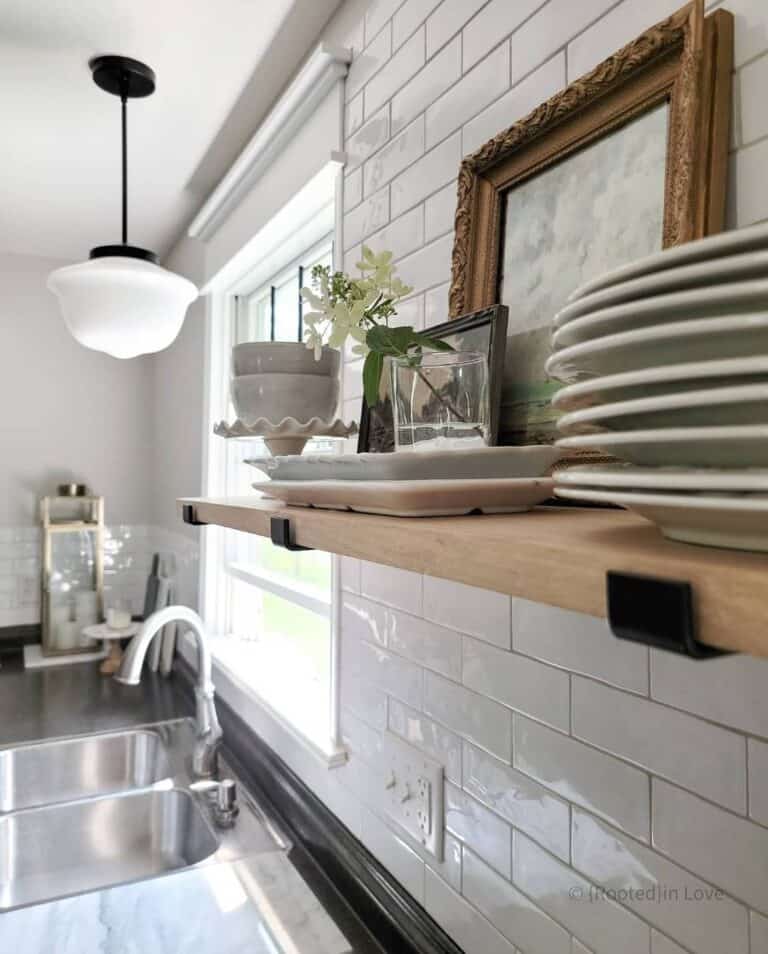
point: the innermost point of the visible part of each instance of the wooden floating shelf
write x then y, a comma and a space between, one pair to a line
553, 555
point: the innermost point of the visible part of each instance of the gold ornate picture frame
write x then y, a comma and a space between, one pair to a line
674, 78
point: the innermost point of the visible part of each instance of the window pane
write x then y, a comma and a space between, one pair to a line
253, 321
282, 651
287, 310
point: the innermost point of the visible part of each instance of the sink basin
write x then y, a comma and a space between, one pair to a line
65, 849
49, 772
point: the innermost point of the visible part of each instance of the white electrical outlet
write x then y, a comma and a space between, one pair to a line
413, 792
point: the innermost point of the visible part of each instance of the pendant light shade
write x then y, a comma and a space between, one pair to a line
122, 306
121, 301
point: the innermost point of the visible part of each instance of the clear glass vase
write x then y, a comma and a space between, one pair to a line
440, 401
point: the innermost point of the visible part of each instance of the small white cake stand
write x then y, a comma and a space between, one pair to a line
111, 639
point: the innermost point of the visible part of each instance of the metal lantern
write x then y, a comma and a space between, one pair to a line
73, 569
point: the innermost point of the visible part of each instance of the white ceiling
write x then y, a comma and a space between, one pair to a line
60, 152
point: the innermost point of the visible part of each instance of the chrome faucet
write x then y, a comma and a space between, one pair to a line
208, 730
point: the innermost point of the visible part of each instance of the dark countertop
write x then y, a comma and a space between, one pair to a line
76, 699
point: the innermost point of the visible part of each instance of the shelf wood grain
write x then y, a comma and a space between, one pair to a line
553, 555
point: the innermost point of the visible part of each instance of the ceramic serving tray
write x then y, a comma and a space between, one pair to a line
479, 463
739, 522
415, 498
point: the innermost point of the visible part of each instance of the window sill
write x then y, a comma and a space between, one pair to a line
245, 699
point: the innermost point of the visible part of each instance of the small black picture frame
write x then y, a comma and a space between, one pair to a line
484, 331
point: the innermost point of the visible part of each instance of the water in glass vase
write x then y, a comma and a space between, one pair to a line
440, 401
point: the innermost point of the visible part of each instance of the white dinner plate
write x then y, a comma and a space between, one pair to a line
735, 242
683, 447
414, 498
733, 268
732, 299
739, 522
478, 463
703, 339
671, 379
714, 407
629, 477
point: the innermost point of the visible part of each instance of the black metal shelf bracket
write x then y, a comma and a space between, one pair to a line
189, 515
280, 534
655, 612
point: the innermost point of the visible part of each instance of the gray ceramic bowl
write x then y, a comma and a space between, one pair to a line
283, 357
277, 396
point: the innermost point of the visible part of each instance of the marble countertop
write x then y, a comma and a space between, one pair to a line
258, 904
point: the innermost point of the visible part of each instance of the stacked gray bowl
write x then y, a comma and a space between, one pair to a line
274, 381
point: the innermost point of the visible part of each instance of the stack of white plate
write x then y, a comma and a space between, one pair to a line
665, 363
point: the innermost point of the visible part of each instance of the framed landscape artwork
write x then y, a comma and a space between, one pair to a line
626, 160
484, 331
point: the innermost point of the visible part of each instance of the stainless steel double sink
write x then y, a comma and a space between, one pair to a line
95, 811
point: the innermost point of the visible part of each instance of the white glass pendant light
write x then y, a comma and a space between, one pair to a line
121, 301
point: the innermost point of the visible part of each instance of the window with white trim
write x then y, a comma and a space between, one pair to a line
273, 609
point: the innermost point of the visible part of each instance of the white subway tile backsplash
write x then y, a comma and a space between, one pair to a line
429, 266
439, 212
397, 155
515, 915
757, 759
436, 305
353, 116
426, 175
660, 944
578, 948
369, 62
407, 61
734, 853
578, 642
618, 27
353, 189
517, 798
495, 21
371, 136
486, 82
447, 20
732, 690
440, 72
750, 36
586, 777
470, 610
394, 854
377, 14
672, 744
392, 674
409, 17
758, 933
468, 928
479, 829
535, 89
371, 214
404, 235
748, 190
361, 739
352, 378
350, 573
662, 893
605, 926
523, 684
431, 646
388, 584
364, 619
474, 716
549, 29
427, 735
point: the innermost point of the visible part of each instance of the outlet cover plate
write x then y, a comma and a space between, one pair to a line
413, 793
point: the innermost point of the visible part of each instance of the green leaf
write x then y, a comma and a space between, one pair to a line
372, 368
435, 343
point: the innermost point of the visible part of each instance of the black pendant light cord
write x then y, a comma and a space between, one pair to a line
124, 117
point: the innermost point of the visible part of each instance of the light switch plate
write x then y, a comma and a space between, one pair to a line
413, 793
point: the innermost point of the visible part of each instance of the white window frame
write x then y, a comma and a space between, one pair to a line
304, 239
